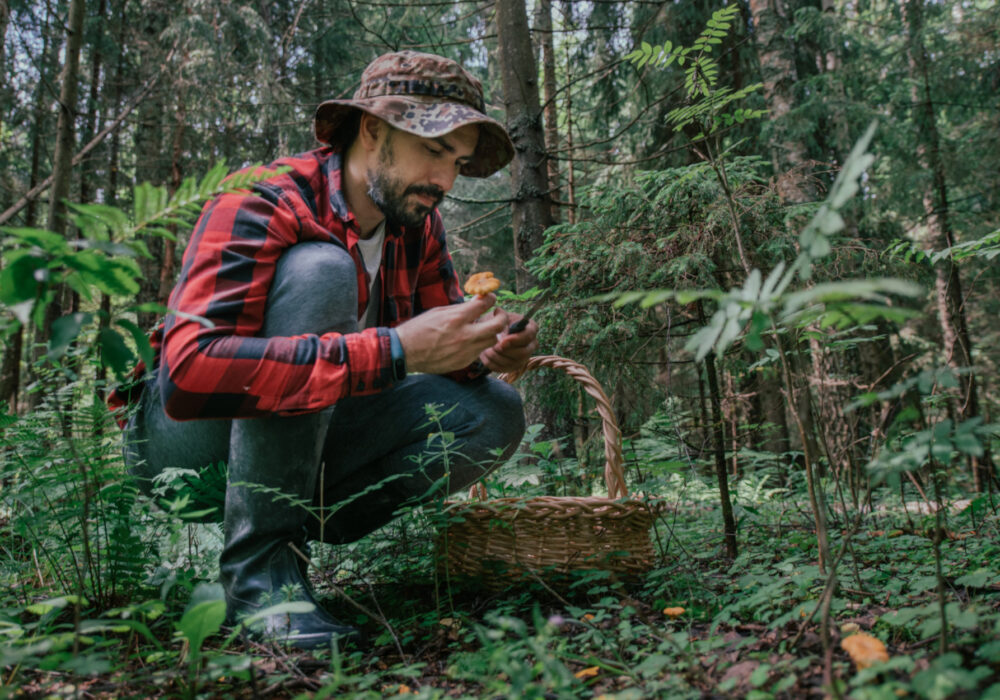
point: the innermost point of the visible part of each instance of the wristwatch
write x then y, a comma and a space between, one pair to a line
398, 356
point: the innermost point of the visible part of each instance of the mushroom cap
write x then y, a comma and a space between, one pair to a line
673, 612
865, 650
481, 283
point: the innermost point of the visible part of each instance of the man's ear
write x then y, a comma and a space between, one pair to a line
369, 130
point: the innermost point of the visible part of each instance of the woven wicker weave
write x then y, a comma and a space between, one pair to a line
512, 536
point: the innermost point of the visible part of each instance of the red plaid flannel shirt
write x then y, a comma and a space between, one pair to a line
227, 371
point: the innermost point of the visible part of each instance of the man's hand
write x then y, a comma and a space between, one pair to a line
448, 338
511, 351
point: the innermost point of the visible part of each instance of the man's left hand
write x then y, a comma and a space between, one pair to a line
511, 351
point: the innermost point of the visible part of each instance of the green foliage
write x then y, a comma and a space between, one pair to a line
701, 77
102, 260
761, 302
666, 229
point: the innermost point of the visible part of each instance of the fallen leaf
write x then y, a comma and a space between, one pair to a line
673, 612
850, 628
864, 650
588, 672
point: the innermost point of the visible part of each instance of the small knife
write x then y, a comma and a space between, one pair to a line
519, 326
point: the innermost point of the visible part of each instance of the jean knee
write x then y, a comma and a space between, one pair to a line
314, 291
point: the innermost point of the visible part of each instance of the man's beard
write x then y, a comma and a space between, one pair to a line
389, 194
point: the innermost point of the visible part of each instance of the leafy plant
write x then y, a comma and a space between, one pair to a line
102, 261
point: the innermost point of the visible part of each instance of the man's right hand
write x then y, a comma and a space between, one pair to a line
448, 338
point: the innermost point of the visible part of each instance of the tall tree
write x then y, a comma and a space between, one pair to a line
532, 206
10, 371
937, 223
4, 21
150, 137
550, 110
779, 73
62, 160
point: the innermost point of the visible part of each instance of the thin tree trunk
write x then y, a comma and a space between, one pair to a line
10, 370
4, 21
948, 284
91, 123
88, 173
568, 112
776, 438
62, 165
719, 452
800, 398
114, 150
150, 165
168, 268
65, 132
10, 373
550, 111
532, 206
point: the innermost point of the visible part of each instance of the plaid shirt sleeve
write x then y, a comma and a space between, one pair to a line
222, 369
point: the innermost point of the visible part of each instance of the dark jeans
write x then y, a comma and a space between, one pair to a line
382, 439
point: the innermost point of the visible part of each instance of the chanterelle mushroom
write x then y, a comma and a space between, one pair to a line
481, 283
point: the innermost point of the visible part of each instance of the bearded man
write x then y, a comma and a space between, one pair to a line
334, 318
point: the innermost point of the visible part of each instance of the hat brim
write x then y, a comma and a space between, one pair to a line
427, 117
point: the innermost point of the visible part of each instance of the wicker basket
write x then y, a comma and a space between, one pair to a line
510, 537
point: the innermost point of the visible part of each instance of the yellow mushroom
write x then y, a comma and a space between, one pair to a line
864, 650
482, 283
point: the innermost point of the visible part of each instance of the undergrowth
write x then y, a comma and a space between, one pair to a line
105, 595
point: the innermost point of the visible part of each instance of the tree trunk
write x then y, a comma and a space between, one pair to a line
168, 268
62, 165
779, 74
532, 206
719, 451
88, 172
550, 111
114, 149
948, 284
568, 111
10, 370
62, 160
775, 437
4, 21
149, 139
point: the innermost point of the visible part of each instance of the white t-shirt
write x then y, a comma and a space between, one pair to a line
371, 253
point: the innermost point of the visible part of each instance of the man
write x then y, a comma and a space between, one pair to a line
326, 288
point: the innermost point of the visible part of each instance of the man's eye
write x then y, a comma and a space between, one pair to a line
433, 151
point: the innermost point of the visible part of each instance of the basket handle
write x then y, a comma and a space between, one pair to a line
614, 475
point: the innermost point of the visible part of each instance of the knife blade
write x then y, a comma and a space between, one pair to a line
520, 325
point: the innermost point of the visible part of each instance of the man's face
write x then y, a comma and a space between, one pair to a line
412, 173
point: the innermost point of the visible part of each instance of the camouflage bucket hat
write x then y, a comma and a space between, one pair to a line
426, 95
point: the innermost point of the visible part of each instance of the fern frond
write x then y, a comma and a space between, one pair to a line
153, 205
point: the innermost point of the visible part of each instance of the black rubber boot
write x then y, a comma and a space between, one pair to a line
273, 466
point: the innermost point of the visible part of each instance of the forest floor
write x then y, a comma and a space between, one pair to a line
752, 627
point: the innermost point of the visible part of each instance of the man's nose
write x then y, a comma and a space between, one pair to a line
444, 177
